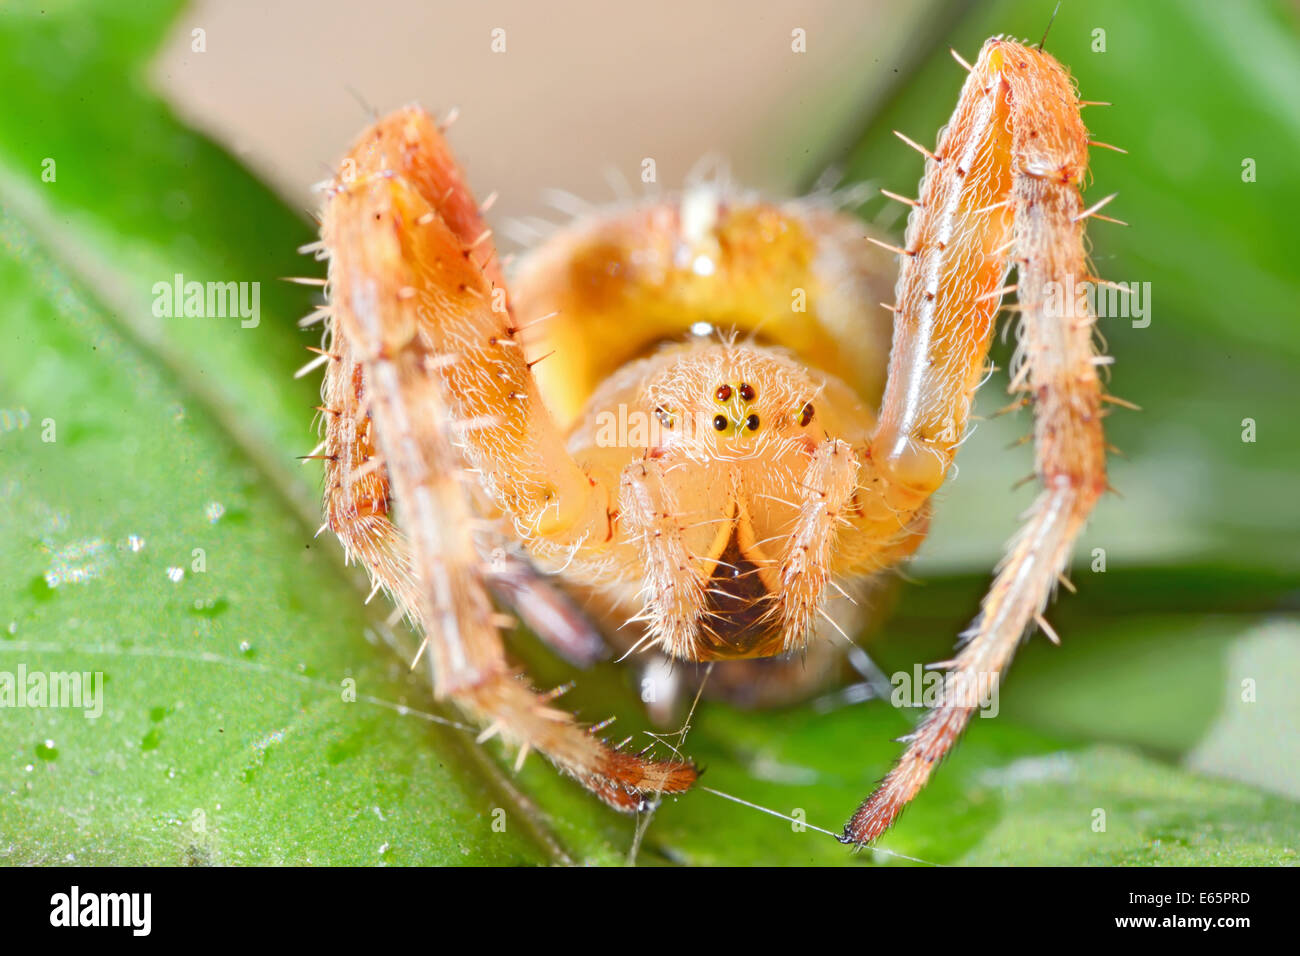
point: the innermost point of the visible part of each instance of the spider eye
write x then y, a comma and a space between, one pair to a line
665, 418
720, 422
746, 392
752, 423
806, 415
723, 393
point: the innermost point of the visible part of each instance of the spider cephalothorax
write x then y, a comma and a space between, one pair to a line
717, 491
719, 507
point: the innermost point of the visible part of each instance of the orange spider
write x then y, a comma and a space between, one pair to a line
701, 453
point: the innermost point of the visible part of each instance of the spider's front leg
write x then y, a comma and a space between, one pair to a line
1001, 189
808, 566
648, 512
427, 385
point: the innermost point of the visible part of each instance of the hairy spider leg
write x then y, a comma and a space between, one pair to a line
428, 385
1002, 188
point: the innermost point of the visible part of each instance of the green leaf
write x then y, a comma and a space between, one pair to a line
227, 735
142, 546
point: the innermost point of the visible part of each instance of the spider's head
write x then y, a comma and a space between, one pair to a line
717, 505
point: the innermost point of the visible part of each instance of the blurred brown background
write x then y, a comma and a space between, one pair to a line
675, 81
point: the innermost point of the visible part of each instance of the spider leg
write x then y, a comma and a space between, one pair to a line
460, 307
418, 346
1001, 188
648, 512
806, 568
357, 508
547, 610
358, 500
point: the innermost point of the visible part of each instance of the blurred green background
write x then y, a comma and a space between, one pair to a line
225, 738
